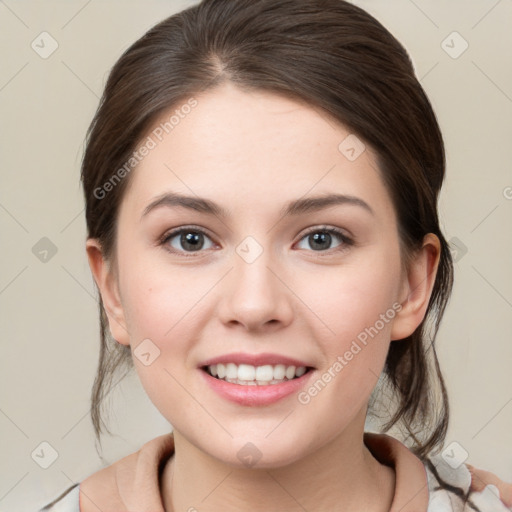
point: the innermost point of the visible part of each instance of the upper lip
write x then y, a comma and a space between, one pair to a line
254, 360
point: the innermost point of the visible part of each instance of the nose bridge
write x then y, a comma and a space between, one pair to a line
253, 278
256, 296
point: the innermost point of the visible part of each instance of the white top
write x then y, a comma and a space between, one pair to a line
68, 502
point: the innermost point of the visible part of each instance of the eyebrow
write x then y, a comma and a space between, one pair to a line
296, 207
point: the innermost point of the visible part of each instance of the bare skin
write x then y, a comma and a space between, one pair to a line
253, 153
481, 478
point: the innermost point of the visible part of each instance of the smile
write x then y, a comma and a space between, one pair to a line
255, 379
249, 375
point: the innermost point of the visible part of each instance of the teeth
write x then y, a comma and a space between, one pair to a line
246, 374
264, 373
231, 371
280, 371
290, 372
301, 370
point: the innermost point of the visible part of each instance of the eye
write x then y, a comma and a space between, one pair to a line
320, 239
186, 240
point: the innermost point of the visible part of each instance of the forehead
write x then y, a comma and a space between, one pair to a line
253, 149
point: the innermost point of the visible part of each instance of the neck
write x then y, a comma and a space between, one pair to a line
342, 475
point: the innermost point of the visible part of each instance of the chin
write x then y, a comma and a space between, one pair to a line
259, 451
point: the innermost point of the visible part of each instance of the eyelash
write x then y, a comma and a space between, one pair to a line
346, 241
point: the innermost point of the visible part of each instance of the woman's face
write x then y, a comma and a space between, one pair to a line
257, 281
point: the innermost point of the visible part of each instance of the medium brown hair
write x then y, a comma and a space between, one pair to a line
335, 57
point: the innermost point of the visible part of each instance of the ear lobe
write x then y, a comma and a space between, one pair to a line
418, 287
108, 287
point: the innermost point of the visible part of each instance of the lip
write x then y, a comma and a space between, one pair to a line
255, 395
239, 358
247, 395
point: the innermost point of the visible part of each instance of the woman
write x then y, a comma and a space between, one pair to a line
261, 183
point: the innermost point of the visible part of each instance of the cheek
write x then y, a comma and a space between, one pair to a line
364, 312
357, 309
162, 307
156, 301
352, 299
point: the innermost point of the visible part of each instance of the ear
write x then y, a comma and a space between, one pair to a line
417, 288
109, 290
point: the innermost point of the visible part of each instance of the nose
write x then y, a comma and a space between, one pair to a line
255, 295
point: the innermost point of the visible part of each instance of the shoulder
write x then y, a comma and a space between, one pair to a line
129, 483
464, 488
101, 488
98, 488
68, 501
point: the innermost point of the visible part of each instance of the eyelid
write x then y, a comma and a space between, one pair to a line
191, 227
325, 227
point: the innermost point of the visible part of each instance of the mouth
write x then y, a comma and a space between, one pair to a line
249, 375
255, 379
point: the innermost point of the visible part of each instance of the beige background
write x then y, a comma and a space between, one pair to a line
49, 310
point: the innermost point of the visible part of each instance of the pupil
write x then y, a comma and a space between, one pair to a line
319, 238
192, 241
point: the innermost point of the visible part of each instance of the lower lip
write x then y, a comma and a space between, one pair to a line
255, 395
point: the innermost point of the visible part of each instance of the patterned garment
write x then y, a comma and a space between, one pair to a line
450, 490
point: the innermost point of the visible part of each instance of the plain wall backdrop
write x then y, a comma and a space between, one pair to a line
50, 85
